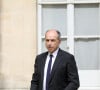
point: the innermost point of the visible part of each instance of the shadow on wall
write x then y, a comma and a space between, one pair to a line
1, 75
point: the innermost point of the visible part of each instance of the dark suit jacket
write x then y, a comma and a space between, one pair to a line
64, 75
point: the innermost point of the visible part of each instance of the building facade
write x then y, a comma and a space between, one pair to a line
22, 27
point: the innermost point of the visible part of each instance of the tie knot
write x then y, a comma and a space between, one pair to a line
51, 55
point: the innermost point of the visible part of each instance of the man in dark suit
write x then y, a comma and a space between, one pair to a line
63, 73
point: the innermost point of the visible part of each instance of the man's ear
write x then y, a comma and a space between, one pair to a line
59, 41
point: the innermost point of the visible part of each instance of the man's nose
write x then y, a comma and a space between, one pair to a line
49, 42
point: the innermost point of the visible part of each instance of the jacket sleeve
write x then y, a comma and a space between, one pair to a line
73, 77
35, 77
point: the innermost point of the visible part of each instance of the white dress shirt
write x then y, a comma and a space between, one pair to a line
46, 66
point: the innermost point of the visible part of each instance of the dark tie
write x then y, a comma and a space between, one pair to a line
48, 72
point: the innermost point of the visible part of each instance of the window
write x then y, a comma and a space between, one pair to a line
78, 21
87, 36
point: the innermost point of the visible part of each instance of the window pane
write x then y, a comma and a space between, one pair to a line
63, 44
87, 19
54, 16
87, 53
43, 46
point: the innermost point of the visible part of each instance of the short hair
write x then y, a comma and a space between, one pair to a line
58, 32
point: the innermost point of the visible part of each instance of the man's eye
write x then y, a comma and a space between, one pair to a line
47, 40
52, 40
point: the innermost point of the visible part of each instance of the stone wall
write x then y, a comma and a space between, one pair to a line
17, 43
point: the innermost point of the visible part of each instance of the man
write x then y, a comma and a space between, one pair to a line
63, 73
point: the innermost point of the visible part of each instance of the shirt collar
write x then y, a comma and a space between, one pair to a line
54, 53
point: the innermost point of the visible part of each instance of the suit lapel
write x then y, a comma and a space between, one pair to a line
56, 63
43, 64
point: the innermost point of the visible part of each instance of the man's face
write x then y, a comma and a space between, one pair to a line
52, 41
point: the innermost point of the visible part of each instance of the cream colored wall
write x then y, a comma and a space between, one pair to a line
17, 43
